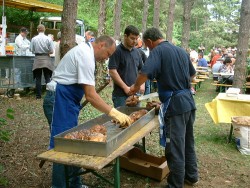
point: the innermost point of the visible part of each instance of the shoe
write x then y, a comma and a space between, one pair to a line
38, 97
191, 183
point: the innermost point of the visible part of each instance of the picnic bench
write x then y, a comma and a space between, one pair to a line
223, 87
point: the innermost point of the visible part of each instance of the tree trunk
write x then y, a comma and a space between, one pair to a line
100, 66
145, 15
68, 26
102, 18
156, 19
242, 47
117, 22
186, 23
170, 22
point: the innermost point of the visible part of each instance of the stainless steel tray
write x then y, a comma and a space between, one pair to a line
115, 135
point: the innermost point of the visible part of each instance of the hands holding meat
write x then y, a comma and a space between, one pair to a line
120, 118
133, 117
132, 100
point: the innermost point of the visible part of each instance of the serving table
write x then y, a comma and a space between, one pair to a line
16, 72
93, 163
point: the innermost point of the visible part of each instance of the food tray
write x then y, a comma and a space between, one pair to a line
241, 121
115, 135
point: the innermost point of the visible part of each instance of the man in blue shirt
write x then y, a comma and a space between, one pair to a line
124, 66
202, 62
173, 70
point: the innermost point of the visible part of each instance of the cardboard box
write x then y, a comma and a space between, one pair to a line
148, 165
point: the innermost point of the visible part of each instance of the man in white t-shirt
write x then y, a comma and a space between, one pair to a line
22, 43
71, 80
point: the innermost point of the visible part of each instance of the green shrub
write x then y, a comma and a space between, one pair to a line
5, 136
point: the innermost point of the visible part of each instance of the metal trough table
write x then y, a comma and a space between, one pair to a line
16, 72
92, 163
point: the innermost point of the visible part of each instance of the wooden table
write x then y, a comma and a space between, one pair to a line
92, 163
223, 107
225, 74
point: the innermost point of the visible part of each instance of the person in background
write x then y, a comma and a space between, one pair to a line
216, 67
216, 56
124, 66
1, 43
202, 62
193, 56
89, 36
225, 68
148, 82
57, 49
42, 46
173, 70
144, 57
51, 36
22, 43
22, 49
53, 39
72, 79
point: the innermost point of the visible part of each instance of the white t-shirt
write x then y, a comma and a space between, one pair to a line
22, 45
76, 67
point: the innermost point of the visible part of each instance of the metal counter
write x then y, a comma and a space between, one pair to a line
16, 72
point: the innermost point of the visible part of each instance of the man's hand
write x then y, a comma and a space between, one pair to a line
142, 89
126, 90
122, 118
133, 90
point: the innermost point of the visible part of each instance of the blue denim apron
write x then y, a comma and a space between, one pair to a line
165, 97
66, 109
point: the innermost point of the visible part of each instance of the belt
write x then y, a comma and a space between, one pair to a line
42, 54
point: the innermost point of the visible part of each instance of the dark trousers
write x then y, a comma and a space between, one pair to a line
180, 151
38, 77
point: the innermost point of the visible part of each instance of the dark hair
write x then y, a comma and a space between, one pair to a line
131, 30
105, 38
24, 30
201, 54
153, 34
227, 60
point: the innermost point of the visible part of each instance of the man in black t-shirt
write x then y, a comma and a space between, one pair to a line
173, 70
124, 66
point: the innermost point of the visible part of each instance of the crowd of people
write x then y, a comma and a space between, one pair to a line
220, 60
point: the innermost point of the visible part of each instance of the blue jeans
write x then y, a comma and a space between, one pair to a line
179, 150
147, 87
119, 101
48, 106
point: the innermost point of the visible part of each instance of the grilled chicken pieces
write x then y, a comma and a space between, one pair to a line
97, 133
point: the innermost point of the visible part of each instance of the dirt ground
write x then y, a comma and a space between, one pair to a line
30, 135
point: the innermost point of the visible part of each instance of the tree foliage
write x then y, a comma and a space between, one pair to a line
213, 23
